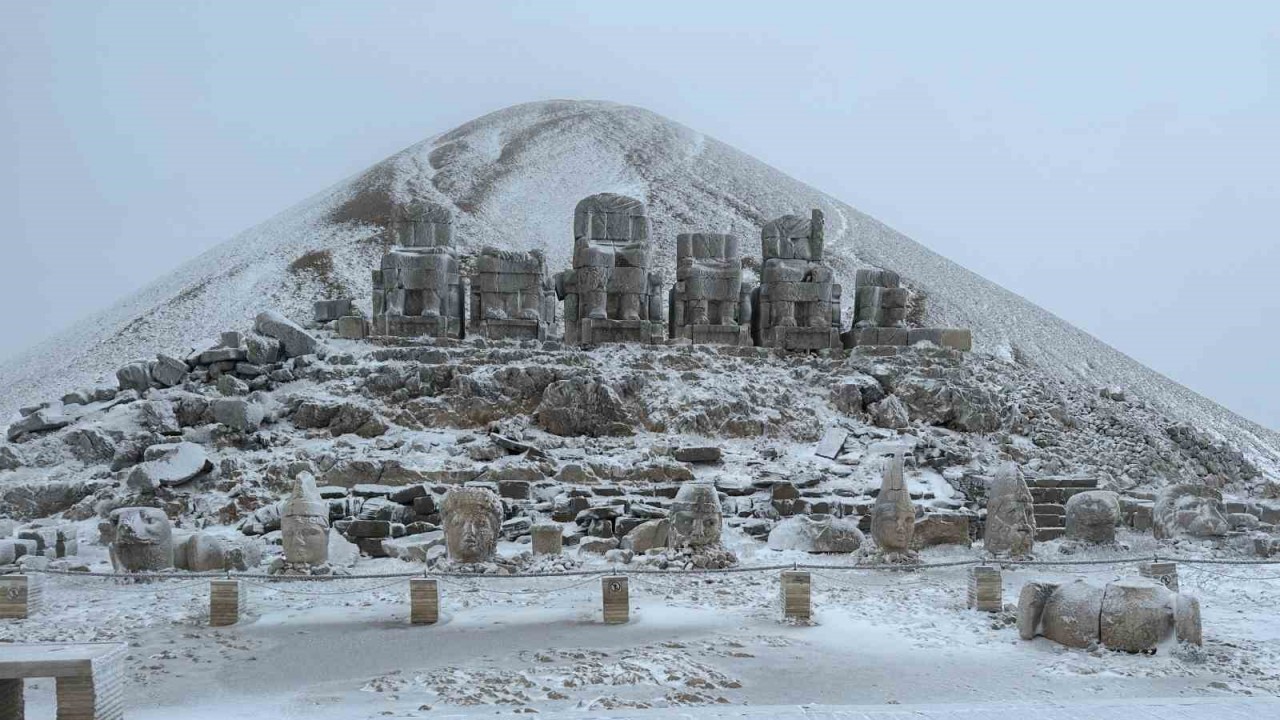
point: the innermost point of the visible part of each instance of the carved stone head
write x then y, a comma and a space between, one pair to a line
893, 517
1189, 510
1011, 520
696, 516
472, 520
143, 539
304, 523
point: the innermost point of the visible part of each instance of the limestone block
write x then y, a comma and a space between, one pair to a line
424, 601
422, 224
1071, 614
616, 599
169, 371
1031, 605
548, 539
1165, 573
1186, 620
816, 533
352, 327
295, 341
135, 376
238, 413
952, 338
985, 589
169, 465
226, 599
330, 310
262, 350
796, 596
1189, 510
21, 596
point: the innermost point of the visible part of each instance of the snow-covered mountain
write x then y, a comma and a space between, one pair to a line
513, 178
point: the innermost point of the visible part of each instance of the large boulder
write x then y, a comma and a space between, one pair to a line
1137, 614
959, 406
941, 529
238, 413
44, 419
169, 464
582, 406
135, 376
1092, 517
816, 534
1188, 510
292, 337
889, 413
416, 548
169, 371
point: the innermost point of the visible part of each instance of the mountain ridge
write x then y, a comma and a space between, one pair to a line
512, 177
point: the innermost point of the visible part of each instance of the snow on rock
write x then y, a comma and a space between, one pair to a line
168, 465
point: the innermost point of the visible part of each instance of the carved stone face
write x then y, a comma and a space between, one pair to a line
304, 524
893, 517
143, 539
472, 520
696, 516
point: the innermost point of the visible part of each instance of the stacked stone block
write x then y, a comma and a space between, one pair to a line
708, 303
797, 306
617, 602
424, 601
985, 589
1165, 573
418, 289
1051, 495
21, 596
512, 298
796, 596
611, 295
226, 600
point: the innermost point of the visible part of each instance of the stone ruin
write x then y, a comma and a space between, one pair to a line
610, 295
512, 297
880, 316
418, 289
797, 306
1132, 615
1011, 519
709, 304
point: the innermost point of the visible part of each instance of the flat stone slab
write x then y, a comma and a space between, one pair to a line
832, 443
55, 660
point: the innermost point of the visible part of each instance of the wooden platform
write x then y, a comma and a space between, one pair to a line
89, 677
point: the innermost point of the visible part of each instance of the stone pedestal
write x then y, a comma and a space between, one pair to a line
985, 589
226, 600
548, 539
1165, 573
424, 602
796, 596
21, 596
617, 602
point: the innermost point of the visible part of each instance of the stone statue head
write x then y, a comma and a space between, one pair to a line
893, 517
696, 516
304, 523
1011, 521
1189, 510
472, 520
143, 539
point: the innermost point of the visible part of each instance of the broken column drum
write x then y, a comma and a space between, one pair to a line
708, 303
472, 519
512, 297
611, 295
304, 524
797, 306
1130, 614
418, 288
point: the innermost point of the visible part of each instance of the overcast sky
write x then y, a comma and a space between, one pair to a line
1116, 163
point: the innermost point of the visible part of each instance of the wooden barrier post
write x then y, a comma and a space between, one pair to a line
797, 598
21, 596
986, 590
617, 602
1164, 572
226, 600
424, 601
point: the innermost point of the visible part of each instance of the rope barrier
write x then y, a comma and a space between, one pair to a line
881, 567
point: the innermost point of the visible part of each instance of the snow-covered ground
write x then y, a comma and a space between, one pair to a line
707, 646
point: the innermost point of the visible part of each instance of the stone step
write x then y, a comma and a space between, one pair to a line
1049, 533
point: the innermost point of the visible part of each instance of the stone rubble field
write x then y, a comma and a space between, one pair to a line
600, 442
